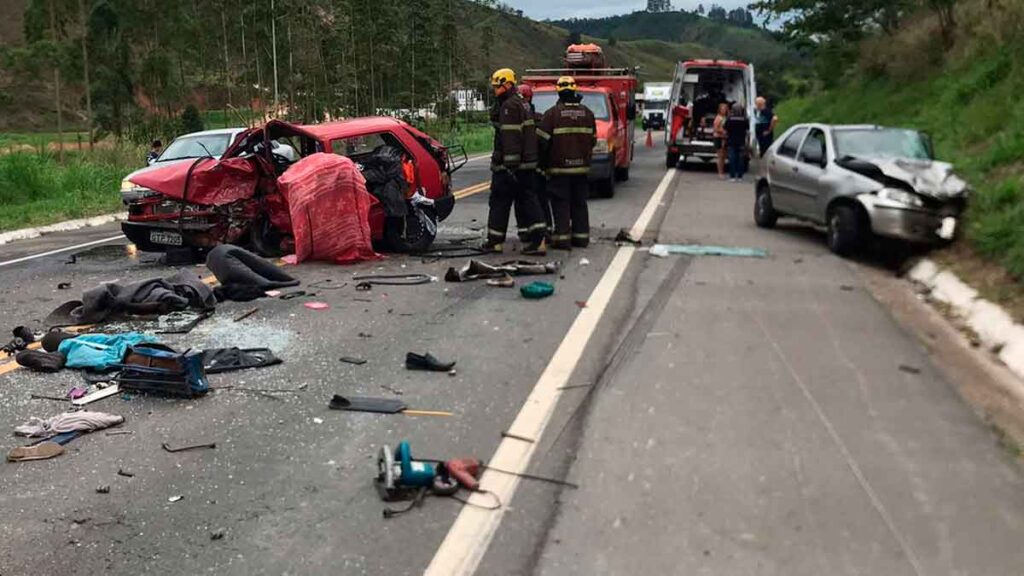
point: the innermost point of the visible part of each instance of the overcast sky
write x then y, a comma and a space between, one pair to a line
555, 9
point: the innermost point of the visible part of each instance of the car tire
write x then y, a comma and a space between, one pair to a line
622, 174
844, 230
765, 215
265, 239
415, 236
671, 160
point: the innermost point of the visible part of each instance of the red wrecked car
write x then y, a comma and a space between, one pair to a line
237, 199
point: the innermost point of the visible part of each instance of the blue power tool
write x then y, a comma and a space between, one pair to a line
398, 473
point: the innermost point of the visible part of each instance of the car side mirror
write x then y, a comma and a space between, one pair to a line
631, 112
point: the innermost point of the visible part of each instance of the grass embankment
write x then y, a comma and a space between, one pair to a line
973, 110
36, 189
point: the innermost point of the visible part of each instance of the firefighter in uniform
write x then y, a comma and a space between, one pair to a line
513, 168
567, 134
539, 180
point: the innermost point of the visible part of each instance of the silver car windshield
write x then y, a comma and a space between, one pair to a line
193, 147
596, 101
888, 142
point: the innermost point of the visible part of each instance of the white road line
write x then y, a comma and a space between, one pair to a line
60, 250
463, 548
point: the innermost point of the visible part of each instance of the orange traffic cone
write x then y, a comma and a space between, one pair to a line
650, 140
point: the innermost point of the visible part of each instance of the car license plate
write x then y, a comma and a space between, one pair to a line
948, 228
168, 238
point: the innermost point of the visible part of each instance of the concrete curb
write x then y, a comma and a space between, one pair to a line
995, 328
27, 233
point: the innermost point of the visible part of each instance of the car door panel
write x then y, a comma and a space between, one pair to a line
807, 174
782, 169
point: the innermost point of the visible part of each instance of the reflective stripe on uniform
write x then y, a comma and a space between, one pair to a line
581, 235
538, 226
543, 134
512, 127
496, 233
527, 166
560, 237
528, 122
568, 171
511, 157
574, 130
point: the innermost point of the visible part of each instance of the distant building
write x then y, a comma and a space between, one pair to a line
659, 5
469, 100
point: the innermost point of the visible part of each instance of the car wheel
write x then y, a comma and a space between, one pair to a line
844, 230
265, 239
413, 234
622, 174
671, 160
765, 215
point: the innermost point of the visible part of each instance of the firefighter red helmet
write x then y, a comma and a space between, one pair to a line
526, 91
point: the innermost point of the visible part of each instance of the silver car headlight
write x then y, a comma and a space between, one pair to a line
901, 197
601, 147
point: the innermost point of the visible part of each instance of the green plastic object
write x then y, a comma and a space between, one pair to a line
537, 290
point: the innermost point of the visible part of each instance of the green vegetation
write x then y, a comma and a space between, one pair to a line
36, 189
967, 97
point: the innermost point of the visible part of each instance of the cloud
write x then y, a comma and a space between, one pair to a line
557, 9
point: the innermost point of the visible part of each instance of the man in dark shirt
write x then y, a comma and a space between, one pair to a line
764, 124
737, 127
155, 150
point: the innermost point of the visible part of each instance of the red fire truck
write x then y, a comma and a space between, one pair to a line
609, 93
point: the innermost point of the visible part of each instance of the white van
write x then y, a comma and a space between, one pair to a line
657, 96
697, 88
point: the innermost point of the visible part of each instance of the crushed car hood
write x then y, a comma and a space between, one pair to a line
927, 177
209, 182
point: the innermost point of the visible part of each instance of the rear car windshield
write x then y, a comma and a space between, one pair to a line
886, 142
196, 147
596, 101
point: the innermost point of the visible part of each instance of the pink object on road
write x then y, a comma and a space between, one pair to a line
317, 305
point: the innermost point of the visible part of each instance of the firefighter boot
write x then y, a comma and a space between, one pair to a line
538, 248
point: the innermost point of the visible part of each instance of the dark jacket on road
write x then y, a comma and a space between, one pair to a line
515, 136
569, 132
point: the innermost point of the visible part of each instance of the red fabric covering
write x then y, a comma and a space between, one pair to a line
213, 183
329, 208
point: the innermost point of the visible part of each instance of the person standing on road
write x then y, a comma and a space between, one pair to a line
568, 134
764, 124
718, 137
539, 181
737, 127
513, 165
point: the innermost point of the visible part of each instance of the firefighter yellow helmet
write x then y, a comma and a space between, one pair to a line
503, 76
566, 83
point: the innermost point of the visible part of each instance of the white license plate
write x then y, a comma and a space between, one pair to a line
948, 228
167, 238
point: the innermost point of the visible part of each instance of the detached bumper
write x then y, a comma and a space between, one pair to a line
922, 226
601, 167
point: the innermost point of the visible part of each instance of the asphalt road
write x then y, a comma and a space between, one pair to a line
725, 416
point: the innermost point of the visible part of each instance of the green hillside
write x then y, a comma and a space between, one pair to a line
966, 97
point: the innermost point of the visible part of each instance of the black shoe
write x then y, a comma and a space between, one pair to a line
426, 361
580, 242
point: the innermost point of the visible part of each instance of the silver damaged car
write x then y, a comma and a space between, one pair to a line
857, 181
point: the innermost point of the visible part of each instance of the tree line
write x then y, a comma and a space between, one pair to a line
832, 30
130, 67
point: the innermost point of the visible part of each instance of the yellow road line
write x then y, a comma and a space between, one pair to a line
471, 190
